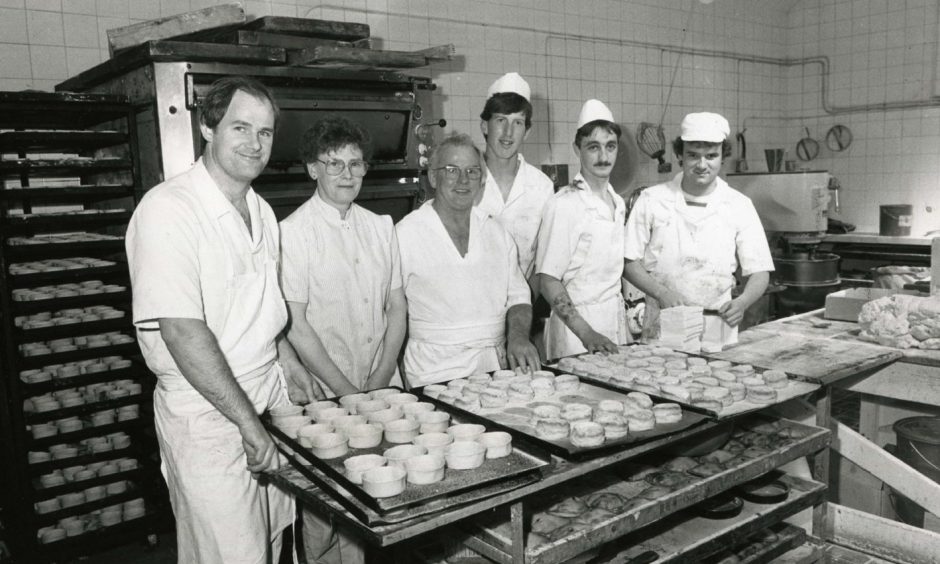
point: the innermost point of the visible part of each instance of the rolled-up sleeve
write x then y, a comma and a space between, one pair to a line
294, 262
162, 246
638, 230
557, 239
752, 249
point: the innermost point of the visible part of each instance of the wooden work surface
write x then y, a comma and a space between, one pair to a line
809, 348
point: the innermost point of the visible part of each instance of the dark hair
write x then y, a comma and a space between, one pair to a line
332, 134
216, 101
678, 147
588, 128
453, 140
507, 103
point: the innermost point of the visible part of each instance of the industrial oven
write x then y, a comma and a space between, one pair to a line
395, 108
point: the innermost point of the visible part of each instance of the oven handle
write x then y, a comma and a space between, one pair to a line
190, 88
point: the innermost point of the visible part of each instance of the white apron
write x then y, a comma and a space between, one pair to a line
602, 261
224, 515
693, 261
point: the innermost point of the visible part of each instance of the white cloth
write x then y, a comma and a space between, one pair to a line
344, 270
191, 256
580, 244
695, 253
521, 212
457, 305
223, 515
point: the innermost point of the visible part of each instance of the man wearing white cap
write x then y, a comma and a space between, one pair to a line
580, 246
686, 237
514, 191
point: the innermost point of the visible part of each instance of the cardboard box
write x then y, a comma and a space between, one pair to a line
845, 305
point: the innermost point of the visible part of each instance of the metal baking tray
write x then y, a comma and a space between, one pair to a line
516, 421
522, 461
795, 388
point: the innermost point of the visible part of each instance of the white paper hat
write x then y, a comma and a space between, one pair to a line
510, 82
593, 110
704, 126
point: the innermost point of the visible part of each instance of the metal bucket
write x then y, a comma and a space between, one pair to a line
919, 446
895, 220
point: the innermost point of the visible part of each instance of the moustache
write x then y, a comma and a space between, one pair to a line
603, 163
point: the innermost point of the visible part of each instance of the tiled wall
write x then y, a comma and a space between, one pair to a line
623, 52
879, 51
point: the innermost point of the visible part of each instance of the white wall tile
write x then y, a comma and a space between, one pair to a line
44, 28
15, 62
48, 62
13, 25
81, 30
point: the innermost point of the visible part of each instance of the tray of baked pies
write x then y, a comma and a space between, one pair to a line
717, 388
560, 413
392, 451
571, 518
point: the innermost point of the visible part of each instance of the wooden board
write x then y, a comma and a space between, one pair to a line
122, 38
368, 58
307, 27
515, 419
813, 359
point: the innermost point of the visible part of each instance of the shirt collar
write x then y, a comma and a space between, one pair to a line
217, 205
720, 195
590, 199
328, 212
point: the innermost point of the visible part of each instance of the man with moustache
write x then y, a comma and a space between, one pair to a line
686, 237
514, 191
580, 246
203, 249
468, 303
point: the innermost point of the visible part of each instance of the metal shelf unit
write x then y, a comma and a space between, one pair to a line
70, 163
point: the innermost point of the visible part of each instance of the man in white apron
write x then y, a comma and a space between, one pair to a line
580, 246
203, 249
685, 238
468, 303
514, 192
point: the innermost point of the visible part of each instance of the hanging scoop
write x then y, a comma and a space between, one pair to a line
807, 148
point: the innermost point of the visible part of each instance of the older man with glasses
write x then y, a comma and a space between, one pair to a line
469, 308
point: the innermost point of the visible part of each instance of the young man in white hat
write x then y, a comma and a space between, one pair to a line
686, 237
580, 246
514, 192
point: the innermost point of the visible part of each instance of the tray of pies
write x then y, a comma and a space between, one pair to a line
566, 520
718, 388
392, 451
560, 413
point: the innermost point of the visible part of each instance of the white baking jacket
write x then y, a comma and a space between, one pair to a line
191, 256
581, 244
695, 252
521, 212
457, 305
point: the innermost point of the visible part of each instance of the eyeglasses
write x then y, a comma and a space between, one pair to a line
335, 167
452, 172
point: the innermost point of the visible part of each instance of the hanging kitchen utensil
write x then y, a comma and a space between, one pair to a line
838, 138
807, 148
652, 141
741, 165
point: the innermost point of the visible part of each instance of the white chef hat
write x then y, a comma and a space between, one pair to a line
704, 126
594, 110
510, 82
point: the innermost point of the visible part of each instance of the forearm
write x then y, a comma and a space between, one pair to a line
637, 275
518, 322
197, 354
395, 315
556, 295
312, 353
754, 288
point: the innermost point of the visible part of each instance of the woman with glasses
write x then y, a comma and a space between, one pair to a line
340, 276
468, 301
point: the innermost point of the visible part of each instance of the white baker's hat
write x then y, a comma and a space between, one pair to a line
593, 110
510, 82
704, 126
